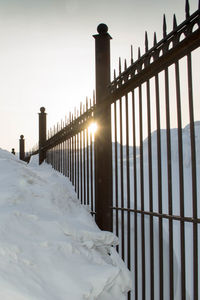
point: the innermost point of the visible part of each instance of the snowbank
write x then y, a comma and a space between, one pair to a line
50, 247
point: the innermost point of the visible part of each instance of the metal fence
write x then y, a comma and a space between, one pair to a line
140, 172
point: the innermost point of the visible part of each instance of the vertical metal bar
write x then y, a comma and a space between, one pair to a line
75, 187
64, 157
142, 194
72, 139
122, 180
81, 165
61, 145
194, 177
78, 164
88, 191
128, 188
116, 173
181, 182
169, 172
69, 153
56, 148
135, 200
91, 172
84, 169
150, 190
58, 158
94, 173
159, 187
53, 157
68, 158
61, 157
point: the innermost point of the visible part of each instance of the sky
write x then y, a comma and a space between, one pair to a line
47, 54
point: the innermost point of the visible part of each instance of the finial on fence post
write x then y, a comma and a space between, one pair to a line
103, 143
21, 148
42, 134
13, 151
102, 49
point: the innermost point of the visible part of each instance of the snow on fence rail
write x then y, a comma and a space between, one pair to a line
139, 172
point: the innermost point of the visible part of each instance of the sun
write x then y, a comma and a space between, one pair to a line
92, 128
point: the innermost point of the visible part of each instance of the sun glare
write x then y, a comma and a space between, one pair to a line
92, 128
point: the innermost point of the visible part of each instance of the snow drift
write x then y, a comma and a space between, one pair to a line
50, 246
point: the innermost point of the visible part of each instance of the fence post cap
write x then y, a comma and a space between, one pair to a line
102, 28
42, 109
21, 136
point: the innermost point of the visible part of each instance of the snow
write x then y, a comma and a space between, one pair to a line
188, 211
50, 246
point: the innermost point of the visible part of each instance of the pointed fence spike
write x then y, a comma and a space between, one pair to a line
125, 65
131, 54
146, 42
155, 39
114, 74
120, 65
174, 22
90, 102
187, 9
94, 99
139, 53
80, 108
86, 103
164, 26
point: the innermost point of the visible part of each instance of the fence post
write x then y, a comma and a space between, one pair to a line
103, 143
42, 134
21, 148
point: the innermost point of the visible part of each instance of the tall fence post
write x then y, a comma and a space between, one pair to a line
42, 134
103, 143
21, 148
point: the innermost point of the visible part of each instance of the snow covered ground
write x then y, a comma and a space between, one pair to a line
50, 246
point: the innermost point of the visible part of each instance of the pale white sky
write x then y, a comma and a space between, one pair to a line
47, 54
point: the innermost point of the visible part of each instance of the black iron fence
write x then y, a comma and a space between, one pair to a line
139, 172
